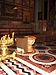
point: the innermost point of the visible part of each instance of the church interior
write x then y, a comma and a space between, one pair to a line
27, 37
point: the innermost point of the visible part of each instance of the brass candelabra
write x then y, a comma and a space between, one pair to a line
4, 43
